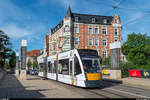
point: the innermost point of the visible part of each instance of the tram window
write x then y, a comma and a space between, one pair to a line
70, 67
41, 66
64, 66
55, 64
49, 66
77, 66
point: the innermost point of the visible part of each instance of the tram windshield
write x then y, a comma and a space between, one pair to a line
90, 61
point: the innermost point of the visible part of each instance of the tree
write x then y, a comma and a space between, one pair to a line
35, 64
12, 60
5, 48
137, 49
29, 63
106, 61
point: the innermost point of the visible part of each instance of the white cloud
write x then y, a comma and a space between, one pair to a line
14, 31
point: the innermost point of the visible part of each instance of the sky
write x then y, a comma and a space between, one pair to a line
32, 19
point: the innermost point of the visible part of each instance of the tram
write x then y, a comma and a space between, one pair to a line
40, 61
78, 67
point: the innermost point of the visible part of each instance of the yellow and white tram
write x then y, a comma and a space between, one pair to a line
78, 67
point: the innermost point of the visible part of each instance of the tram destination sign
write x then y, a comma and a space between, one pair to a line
88, 53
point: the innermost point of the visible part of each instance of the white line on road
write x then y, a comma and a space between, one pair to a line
128, 93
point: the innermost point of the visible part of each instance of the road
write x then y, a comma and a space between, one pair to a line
36, 87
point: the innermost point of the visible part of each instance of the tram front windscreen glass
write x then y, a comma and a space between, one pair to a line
90, 61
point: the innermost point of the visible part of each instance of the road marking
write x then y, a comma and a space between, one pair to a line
128, 93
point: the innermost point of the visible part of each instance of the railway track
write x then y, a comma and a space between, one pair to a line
89, 92
103, 91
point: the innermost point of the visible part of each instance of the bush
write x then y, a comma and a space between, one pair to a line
124, 69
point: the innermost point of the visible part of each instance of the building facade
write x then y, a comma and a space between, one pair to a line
32, 55
85, 31
43, 54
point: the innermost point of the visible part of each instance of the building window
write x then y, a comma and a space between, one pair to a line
116, 31
105, 21
76, 29
96, 30
76, 19
66, 28
96, 42
104, 53
93, 20
76, 41
90, 41
104, 31
90, 30
104, 42
116, 39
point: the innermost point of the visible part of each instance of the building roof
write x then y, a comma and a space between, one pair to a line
84, 18
68, 14
87, 18
33, 53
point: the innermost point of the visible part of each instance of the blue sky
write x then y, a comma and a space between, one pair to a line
32, 19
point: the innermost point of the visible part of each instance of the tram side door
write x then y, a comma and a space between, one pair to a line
71, 67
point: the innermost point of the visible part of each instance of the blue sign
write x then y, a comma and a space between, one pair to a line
145, 73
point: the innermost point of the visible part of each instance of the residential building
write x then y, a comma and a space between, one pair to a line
85, 31
44, 53
31, 55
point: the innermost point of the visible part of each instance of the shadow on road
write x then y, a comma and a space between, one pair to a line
11, 87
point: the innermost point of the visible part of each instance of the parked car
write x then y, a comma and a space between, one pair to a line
34, 72
29, 71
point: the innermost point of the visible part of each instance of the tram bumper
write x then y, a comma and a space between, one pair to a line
93, 84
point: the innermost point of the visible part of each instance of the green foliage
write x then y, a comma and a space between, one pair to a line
124, 69
35, 64
137, 50
7, 65
5, 48
12, 60
106, 62
29, 63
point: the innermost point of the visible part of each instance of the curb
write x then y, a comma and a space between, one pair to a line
113, 81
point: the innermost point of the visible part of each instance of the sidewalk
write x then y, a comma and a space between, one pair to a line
131, 80
136, 81
34, 87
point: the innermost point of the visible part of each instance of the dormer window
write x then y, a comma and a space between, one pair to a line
105, 21
66, 28
76, 19
116, 21
93, 20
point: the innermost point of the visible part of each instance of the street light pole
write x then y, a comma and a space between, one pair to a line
17, 63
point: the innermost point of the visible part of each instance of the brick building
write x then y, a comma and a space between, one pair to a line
31, 55
85, 31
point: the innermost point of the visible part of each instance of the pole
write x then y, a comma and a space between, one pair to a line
23, 59
57, 66
17, 64
17, 59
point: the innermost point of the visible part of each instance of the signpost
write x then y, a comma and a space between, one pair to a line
57, 67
